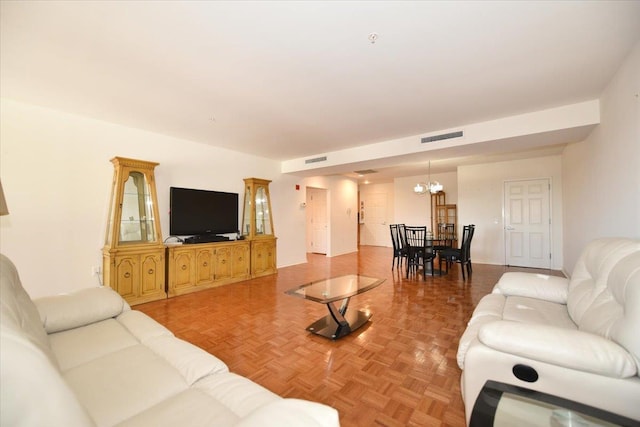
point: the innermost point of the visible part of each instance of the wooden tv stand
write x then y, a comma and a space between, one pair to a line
195, 267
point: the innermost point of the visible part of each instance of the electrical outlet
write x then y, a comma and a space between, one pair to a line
95, 270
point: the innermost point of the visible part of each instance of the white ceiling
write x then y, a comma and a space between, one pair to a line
286, 80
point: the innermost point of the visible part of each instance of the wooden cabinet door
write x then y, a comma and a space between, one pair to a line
127, 273
223, 263
181, 269
263, 257
241, 261
205, 266
139, 276
151, 274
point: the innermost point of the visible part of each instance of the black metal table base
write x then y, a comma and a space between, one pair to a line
329, 328
333, 291
436, 272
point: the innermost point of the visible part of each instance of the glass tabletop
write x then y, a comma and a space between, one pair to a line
500, 404
336, 288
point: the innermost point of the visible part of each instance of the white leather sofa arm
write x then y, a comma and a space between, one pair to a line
68, 311
571, 349
291, 413
539, 286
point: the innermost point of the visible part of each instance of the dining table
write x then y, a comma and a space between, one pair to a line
430, 244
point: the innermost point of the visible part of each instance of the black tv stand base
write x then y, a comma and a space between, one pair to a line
206, 238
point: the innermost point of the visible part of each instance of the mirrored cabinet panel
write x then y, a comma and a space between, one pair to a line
137, 223
246, 212
263, 212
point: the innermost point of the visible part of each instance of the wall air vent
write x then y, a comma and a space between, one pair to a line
434, 138
316, 160
365, 172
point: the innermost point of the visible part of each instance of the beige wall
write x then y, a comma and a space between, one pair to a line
415, 209
369, 232
602, 173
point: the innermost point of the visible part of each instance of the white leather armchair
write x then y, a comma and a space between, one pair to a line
577, 339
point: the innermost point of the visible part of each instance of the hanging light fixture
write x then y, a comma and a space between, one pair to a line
429, 186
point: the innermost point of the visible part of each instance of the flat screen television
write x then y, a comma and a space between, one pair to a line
202, 212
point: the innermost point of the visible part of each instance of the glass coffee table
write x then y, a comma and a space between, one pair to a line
506, 405
339, 322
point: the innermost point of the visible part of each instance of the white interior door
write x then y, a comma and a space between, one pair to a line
376, 226
528, 223
317, 222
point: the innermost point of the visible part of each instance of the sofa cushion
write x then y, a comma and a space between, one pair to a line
563, 347
32, 391
535, 311
76, 347
239, 394
590, 277
496, 306
141, 326
192, 362
99, 358
539, 286
192, 408
489, 305
68, 311
625, 290
121, 384
18, 313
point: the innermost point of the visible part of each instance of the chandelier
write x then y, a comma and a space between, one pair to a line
429, 186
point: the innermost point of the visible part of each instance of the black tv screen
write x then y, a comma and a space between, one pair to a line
202, 212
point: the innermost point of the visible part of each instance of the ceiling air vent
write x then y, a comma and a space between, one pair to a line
433, 138
316, 160
365, 172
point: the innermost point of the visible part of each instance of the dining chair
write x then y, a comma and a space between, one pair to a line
399, 249
449, 234
445, 237
419, 250
460, 255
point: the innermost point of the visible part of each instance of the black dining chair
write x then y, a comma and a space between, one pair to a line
399, 249
445, 237
419, 250
460, 255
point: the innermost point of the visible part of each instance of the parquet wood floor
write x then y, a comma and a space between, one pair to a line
398, 370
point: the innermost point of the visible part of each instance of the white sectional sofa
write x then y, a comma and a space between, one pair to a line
87, 359
576, 339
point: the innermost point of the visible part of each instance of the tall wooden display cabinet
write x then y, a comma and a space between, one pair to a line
133, 254
257, 226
